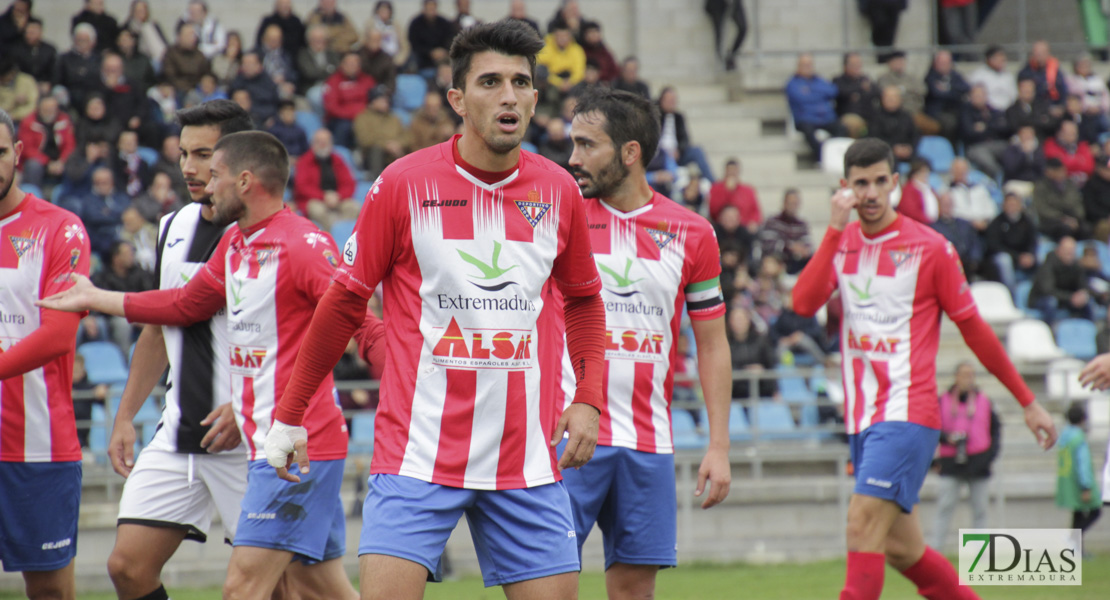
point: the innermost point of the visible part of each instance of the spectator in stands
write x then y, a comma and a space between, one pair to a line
143, 237
341, 30
752, 352
276, 63
856, 96
1030, 110
1058, 204
430, 36
13, 23
564, 58
346, 94
100, 210
184, 63
121, 273
138, 69
105, 24
1090, 87
557, 145
1091, 126
211, 35
263, 91
1102, 337
1076, 487
971, 200
323, 184
768, 289
797, 335
1011, 242
718, 10
675, 138
970, 435
595, 49
79, 68
912, 89
315, 63
93, 154
946, 91
919, 201
164, 97
35, 56
731, 232
960, 233
123, 98
132, 174
519, 12
1024, 158
150, 40
1096, 199
287, 131
811, 104
629, 80
894, 125
159, 200
983, 131
48, 139
292, 29
694, 194
351, 367
1001, 85
463, 18
206, 91
787, 235
376, 62
1060, 286
431, 123
591, 78
1044, 69
169, 163
1073, 153
96, 123
91, 393
570, 16
382, 21
19, 94
380, 135
883, 15
225, 65
731, 191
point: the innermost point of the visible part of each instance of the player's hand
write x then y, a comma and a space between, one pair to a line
717, 470
286, 444
1096, 375
842, 204
121, 447
1040, 423
581, 420
224, 434
76, 299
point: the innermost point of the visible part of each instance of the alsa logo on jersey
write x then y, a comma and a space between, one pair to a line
246, 360
634, 344
483, 348
869, 343
532, 208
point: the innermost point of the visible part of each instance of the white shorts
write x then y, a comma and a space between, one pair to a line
184, 491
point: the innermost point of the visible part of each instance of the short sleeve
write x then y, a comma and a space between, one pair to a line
69, 253
371, 250
951, 287
704, 299
315, 258
574, 270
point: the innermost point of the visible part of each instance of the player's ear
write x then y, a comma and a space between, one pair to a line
535, 102
455, 99
894, 178
630, 153
18, 149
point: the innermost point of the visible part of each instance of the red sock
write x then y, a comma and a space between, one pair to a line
864, 580
936, 579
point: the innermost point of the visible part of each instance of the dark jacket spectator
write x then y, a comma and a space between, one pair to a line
13, 23
292, 29
1013, 233
597, 51
629, 80
946, 90
276, 62
376, 62
341, 32
895, 126
982, 124
106, 26
1060, 277
855, 92
1058, 204
78, 69
787, 235
100, 210
97, 124
751, 351
316, 61
557, 146
731, 233
961, 233
137, 67
430, 36
184, 63
1024, 159
132, 174
127, 102
121, 277
1096, 195
287, 131
35, 56
312, 179
263, 91
1029, 110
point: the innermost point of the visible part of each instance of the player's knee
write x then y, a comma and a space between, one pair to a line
46, 589
237, 585
125, 573
862, 534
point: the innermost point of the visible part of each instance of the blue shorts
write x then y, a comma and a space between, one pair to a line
631, 496
519, 534
39, 503
304, 518
891, 460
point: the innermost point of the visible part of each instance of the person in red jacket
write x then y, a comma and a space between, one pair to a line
48, 140
1075, 155
731, 191
323, 185
346, 93
919, 201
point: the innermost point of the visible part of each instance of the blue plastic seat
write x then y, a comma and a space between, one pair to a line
409, 95
685, 433
309, 122
103, 362
793, 387
98, 434
938, 151
348, 159
739, 430
403, 115
774, 421
149, 155
1077, 337
362, 433
1044, 247
341, 230
1102, 250
362, 188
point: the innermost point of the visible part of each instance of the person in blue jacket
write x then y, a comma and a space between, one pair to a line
811, 104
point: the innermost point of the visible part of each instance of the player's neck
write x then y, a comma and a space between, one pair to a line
477, 154
11, 201
877, 227
634, 193
258, 211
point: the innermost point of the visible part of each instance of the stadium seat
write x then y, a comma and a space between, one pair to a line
98, 434
793, 387
362, 433
1030, 340
341, 230
937, 182
1061, 380
309, 122
773, 421
1021, 297
348, 159
1044, 246
685, 433
404, 116
32, 189
1077, 338
409, 95
832, 155
362, 188
938, 151
148, 155
1102, 250
103, 362
738, 428
995, 303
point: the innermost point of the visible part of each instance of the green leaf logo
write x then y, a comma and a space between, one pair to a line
620, 280
236, 290
865, 293
489, 271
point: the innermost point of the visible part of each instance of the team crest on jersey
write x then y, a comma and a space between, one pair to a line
263, 255
74, 230
21, 244
330, 257
899, 257
532, 209
74, 256
660, 237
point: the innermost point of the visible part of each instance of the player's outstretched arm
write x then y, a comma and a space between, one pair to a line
148, 363
715, 373
84, 296
817, 280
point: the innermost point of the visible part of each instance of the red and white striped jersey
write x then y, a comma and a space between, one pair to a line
42, 244
894, 286
652, 261
463, 264
273, 275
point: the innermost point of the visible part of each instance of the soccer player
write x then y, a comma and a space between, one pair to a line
653, 256
895, 277
269, 271
190, 470
40, 458
464, 236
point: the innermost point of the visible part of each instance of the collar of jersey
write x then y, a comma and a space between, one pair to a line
889, 233
468, 171
632, 213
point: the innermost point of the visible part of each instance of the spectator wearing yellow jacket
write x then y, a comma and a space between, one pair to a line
564, 58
